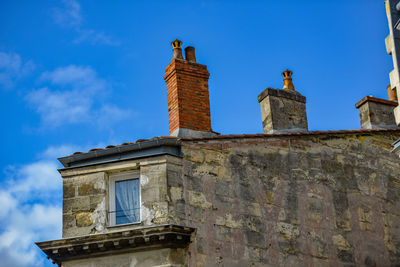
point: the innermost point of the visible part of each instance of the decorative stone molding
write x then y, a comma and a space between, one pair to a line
156, 237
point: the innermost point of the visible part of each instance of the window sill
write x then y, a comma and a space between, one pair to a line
125, 224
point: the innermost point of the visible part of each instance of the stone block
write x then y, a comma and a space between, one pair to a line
76, 204
228, 221
253, 223
151, 194
68, 221
174, 178
223, 188
319, 247
83, 218
345, 256
255, 239
89, 189
96, 200
68, 190
195, 183
198, 199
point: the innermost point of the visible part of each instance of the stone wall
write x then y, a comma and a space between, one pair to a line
85, 201
311, 199
155, 258
321, 200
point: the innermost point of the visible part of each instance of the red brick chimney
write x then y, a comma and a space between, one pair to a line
188, 99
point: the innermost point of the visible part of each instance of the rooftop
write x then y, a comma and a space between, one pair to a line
169, 145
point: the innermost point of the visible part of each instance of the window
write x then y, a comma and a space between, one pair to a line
124, 198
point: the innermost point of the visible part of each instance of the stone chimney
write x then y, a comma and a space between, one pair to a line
392, 93
377, 113
188, 98
283, 110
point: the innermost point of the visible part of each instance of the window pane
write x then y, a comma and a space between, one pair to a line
127, 206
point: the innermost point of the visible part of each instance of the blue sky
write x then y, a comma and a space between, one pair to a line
80, 74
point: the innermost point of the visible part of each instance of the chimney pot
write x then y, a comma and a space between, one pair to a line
190, 54
176, 49
287, 80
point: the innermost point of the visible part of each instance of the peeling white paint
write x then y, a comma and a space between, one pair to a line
99, 217
147, 215
133, 261
144, 179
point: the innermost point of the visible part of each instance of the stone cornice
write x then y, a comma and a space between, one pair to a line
376, 100
285, 93
161, 236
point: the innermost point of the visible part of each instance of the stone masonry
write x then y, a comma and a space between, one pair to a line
311, 199
376, 113
283, 111
85, 201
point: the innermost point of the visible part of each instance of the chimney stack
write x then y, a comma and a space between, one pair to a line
283, 110
188, 98
392, 93
377, 113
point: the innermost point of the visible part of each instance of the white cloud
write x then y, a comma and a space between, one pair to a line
12, 68
70, 16
74, 75
8, 203
59, 151
29, 211
57, 108
77, 98
94, 37
23, 227
109, 113
33, 177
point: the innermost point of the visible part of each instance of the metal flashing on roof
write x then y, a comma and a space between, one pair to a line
159, 146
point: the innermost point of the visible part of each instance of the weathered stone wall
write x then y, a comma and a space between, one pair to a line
322, 200
311, 200
153, 258
84, 208
85, 201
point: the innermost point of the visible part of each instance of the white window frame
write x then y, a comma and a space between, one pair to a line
122, 176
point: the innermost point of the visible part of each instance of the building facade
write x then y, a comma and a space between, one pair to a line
287, 197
